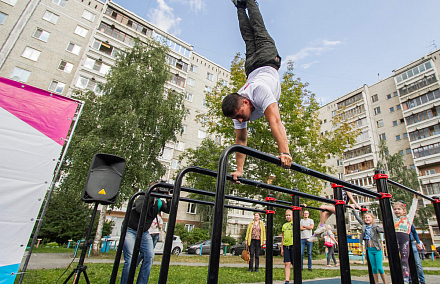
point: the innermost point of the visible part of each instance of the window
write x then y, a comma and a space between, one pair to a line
401, 152
105, 48
189, 227
180, 146
379, 123
188, 96
2, 18
88, 16
391, 109
31, 53
388, 96
41, 34
81, 31
57, 87
65, 66
382, 136
167, 153
176, 79
430, 172
210, 76
398, 137
339, 162
398, 107
74, 48
193, 68
184, 127
61, 3
97, 65
20, 75
340, 175
218, 140
191, 208
405, 135
10, 2
201, 134
374, 98
208, 89
50, 17
82, 82
175, 164
376, 110
204, 103
191, 82
395, 123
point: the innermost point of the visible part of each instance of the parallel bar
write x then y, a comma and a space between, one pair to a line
390, 233
410, 190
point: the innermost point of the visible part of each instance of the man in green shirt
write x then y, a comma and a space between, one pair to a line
287, 247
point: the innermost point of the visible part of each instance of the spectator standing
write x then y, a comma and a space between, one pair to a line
422, 250
155, 228
306, 227
146, 247
287, 247
415, 244
331, 250
255, 237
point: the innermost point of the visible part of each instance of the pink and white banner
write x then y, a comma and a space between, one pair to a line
33, 127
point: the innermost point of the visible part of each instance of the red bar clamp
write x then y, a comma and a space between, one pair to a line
436, 201
339, 202
378, 176
270, 198
364, 209
270, 212
384, 195
296, 208
336, 185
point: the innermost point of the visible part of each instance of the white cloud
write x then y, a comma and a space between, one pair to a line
316, 49
307, 65
164, 18
194, 5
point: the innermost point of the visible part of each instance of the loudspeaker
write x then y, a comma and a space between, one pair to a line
104, 179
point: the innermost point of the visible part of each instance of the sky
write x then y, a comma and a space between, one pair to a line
336, 46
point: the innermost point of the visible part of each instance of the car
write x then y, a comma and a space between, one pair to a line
205, 246
277, 245
238, 248
177, 247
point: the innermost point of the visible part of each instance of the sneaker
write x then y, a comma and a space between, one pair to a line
287, 282
310, 269
256, 270
312, 239
250, 269
337, 264
239, 3
329, 265
320, 230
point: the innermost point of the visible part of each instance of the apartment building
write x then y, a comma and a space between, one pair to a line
401, 109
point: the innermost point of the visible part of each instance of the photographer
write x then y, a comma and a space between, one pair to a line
155, 206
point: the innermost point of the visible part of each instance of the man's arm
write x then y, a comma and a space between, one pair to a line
272, 115
240, 139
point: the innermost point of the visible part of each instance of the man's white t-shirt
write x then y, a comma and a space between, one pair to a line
262, 89
305, 234
154, 228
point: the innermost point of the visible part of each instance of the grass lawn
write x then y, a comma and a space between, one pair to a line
100, 274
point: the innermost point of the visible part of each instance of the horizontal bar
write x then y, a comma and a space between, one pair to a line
226, 206
410, 190
275, 160
310, 207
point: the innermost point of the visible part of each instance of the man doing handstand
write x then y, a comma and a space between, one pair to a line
260, 95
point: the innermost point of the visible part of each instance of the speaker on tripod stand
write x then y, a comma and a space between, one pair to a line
101, 187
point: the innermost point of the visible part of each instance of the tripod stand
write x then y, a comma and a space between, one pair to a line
81, 268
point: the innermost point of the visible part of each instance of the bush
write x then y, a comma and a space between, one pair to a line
52, 245
229, 240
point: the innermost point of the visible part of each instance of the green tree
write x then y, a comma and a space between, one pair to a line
398, 172
299, 114
134, 118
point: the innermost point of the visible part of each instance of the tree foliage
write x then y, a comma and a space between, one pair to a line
134, 118
299, 114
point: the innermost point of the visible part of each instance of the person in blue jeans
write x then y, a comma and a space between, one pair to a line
306, 227
146, 248
415, 242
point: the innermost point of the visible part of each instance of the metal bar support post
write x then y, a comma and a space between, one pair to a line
388, 227
269, 240
296, 218
344, 262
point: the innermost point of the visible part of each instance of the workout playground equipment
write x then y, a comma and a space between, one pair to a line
382, 195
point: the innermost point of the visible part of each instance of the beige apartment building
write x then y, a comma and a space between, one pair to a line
403, 110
